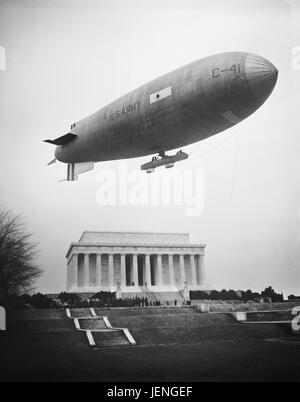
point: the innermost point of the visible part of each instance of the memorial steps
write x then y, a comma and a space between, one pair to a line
151, 296
133, 295
98, 329
162, 297
165, 297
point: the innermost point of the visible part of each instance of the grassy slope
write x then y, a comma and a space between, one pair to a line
42, 345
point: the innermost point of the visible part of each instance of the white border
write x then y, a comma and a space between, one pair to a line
129, 336
107, 323
93, 312
90, 337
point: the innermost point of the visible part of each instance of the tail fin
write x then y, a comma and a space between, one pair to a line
51, 162
75, 169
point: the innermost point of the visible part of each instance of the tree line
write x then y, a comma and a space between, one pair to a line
109, 299
243, 296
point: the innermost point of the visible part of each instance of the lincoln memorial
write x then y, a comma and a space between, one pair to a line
134, 263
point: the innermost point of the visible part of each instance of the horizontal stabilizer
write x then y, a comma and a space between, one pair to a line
63, 140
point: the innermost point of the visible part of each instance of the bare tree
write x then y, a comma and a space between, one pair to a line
18, 268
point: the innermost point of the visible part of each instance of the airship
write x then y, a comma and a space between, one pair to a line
184, 106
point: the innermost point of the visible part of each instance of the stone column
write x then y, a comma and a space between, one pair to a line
98, 270
186, 293
135, 278
148, 269
75, 271
171, 270
193, 270
201, 268
69, 273
159, 270
110, 270
118, 291
86, 271
123, 270
182, 271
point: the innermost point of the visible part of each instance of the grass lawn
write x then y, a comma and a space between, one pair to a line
43, 349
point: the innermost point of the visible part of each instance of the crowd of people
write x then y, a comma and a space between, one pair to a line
114, 302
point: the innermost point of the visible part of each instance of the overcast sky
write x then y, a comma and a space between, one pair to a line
67, 59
